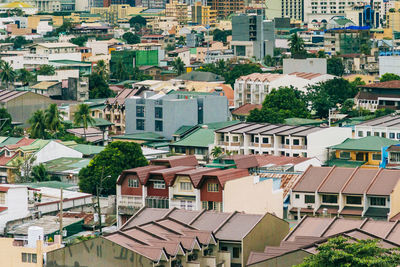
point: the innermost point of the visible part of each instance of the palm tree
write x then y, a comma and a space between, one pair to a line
7, 73
53, 118
216, 152
82, 117
178, 65
120, 72
38, 124
25, 76
101, 69
296, 45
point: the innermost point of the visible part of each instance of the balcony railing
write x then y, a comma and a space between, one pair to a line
130, 201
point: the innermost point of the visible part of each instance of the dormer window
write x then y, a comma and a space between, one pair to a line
8, 153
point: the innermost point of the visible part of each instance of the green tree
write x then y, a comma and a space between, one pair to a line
39, 173
181, 41
98, 87
335, 66
138, 22
5, 122
38, 125
131, 38
329, 94
365, 49
120, 73
19, 42
25, 76
389, 77
358, 81
109, 164
233, 73
80, 41
66, 27
296, 45
53, 119
23, 167
383, 112
101, 69
321, 54
281, 104
170, 47
47, 70
216, 152
178, 65
221, 36
82, 117
343, 251
347, 106
7, 74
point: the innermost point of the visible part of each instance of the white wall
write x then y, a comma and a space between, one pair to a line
77, 56
60, 75
301, 167
98, 47
389, 64
54, 150
313, 65
256, 198
17, 204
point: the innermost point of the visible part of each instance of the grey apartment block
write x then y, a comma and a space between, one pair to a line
167, 114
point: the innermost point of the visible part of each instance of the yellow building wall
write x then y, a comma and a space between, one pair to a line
269, 231
367, 158
395, 201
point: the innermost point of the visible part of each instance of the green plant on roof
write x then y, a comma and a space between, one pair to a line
47, 70
216, 152
82, 118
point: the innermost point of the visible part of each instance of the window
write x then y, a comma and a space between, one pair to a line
297, 196
391, 135
309, 199
256, 140
376, 156
139, 124
29, 257
235, 139
236, 253
186, 186
330, 199
368, 133
287, 141
377, 201
353, 200
140, 111
224, 248
376, 133
296, 142
212, 187
383, 135
360, 134
3, 198
159, 185
133, 182
344, 155
158, 112
265, 140
158, 125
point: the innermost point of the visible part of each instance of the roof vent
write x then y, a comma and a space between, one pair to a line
204, 126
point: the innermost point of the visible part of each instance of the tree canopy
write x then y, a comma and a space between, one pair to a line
221, 36
335, 66
131, 38
326, 95
389, 77
109, 164
46, 70
296, 44
98, 86
341, 251
280, 104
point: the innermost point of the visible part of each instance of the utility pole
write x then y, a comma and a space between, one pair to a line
98, 200
61, 214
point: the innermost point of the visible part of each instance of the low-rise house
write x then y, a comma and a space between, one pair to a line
91, 134
348, 192
379, 95
285, 140
387, 126
67, 169
241, 113
366, 151
56, 51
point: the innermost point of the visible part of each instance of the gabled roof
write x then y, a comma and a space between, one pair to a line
194, 175
368, 143
199, 138
175, 161
383, 85
225, 175
141, 172
245, 109
200, 76
168, 174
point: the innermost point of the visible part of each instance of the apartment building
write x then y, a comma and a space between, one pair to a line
252, 88
178, 10
387, 126
203, 15
293, 9
57, 51
348, 192
225, 8
346, 40
285, 140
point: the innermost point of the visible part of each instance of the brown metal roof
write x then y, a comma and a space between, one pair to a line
360, 181
194, 175
384, 183
336, 180
244, 161
311, 179
141, 172
175, 161
225, 175
7, 95
168, 174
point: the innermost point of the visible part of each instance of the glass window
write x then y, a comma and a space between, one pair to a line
297, 196
140, 124
265, 140
133, 182
3, 198
296, 142
212, 187
309, 199
377, 201
368, 133
158, 126
34, 258
139, 111
353, 200
236, 253
158, 112
24, 257
360, 134
398, 135
331, 199
391, 135
376, 133
344, 155
159, 185
287, 141
256, 139
376, 156
186, 186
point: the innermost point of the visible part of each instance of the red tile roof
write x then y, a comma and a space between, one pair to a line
4, 188
385, 85
194, 175
169, 173
245, 109
175, 161
141, 172
225, 175
3, 209
23, 142
305, 75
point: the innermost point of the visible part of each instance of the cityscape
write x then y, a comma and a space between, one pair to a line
199, 133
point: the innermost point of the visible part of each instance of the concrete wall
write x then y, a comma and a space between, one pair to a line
389, 64
394, 201
314, 65
98, 252
255, 198
17, 205
269, 231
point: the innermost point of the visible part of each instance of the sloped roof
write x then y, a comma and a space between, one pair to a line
16, 4
383, 85
175, 161
141, 172
368, 143
225, 175
195, 175
44, 85
168, 174
199, 138
201, 76
245, 109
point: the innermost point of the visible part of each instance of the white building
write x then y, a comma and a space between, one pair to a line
284, 140
312, 65
387, 126
22, 59
254, 87
57, 51
13, 203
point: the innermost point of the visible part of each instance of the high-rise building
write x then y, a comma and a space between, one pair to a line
202, 14
107, 3
252, 36
293, 9
157, 4
226, 7
177, 10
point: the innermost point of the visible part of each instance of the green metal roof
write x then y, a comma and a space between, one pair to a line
183, 129
369, 143
146, 136
51, 184
70, 62
11, 141
199, 138
98, 122
221, 124
157, 144
66, 164
88, 149
35, 146
302, 121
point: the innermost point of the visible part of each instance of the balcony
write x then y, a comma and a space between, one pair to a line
130, 201
221, 143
